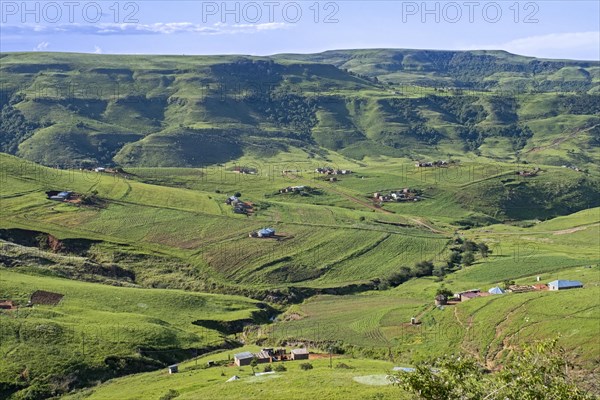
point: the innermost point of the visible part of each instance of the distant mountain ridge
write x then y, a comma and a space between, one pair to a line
88, 109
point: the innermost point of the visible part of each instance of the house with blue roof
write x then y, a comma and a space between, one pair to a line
266, 232
561, 284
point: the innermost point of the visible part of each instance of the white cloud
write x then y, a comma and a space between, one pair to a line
41, 46
164, 28
551, 45
97, 50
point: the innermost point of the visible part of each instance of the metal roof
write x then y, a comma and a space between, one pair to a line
300, 351
245, 354
496, 290
561, 283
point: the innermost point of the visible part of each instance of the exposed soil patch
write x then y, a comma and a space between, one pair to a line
47, 241
46, 298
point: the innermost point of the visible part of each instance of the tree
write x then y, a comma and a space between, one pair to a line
439, 270
468, 245
454, 258
507, 283
538, 371
423, 268
444, 291
483, 249
468, 258
253, 364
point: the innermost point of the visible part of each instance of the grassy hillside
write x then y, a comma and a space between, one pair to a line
473, 69
140, 249
356, 379
97, 331
172, 111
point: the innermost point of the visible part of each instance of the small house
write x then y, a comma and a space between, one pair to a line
244, 358
173, 369
468, 294
561, 284
300, 354
61, 196
231, 200
441, 300
264, 356
266, 232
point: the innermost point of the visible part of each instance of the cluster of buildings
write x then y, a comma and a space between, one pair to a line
533, 172
559, 284
439, 163
245, 170
239, 207
332, 171
269, 355
573, 167
405, 194
263, 233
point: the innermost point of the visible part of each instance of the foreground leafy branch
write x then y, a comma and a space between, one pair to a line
537, 371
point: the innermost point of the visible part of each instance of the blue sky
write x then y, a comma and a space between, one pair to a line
553, 29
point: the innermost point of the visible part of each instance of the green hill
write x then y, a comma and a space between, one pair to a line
89, 110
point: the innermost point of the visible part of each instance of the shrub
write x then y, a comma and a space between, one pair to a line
306, 366
268, 368
342, 365
171, 394
280, 368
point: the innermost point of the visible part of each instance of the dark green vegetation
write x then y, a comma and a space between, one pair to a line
539, 372
137, 251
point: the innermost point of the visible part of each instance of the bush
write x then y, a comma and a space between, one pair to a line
171, 394
306, 366
280, 368
268, 368
342, 365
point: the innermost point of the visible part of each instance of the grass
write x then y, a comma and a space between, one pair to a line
193, 382
169, 228
94, 323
